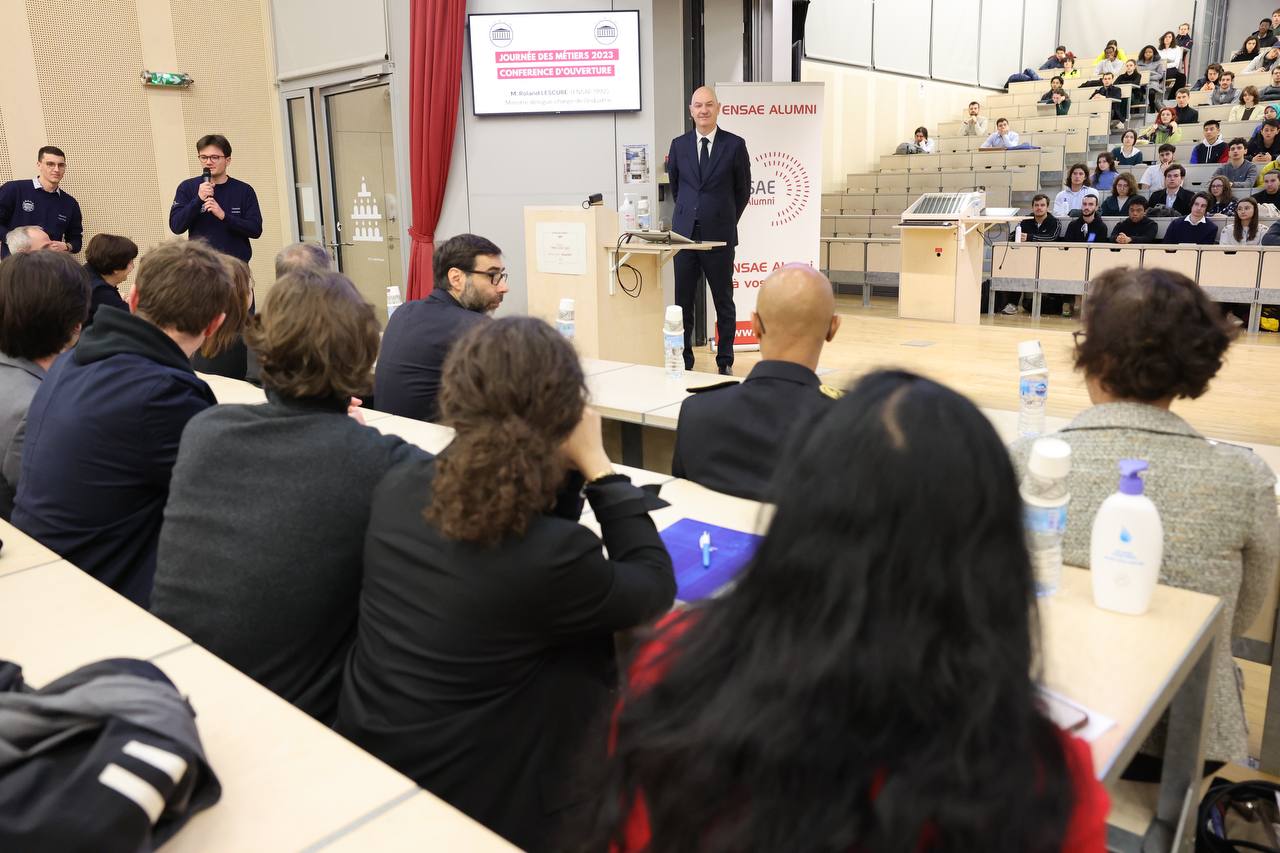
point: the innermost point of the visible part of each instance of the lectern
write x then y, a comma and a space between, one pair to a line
940, 271
572, 252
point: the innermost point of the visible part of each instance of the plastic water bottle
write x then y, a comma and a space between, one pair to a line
564, 318
1044, 510
644, 220
393, 300
1033, 388
673, 341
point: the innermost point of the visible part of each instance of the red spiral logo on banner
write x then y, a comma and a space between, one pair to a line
780, 181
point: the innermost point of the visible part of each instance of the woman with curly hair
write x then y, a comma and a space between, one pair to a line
865, 685
484, 656
1151, 337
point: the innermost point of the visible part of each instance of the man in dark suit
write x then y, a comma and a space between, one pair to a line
1174, 196
730, 435
710, 174
470, 282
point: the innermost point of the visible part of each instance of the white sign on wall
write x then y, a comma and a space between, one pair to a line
782, 126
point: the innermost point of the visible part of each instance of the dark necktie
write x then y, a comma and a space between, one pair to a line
704, 156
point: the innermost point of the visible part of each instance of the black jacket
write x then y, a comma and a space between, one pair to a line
1044, 232
417, 339
1079, 231
1113, 206
102, 294
730, 437
102, 437
1272, 237
1181, 202
714, 201
1186, 115
483, 673
1143, 231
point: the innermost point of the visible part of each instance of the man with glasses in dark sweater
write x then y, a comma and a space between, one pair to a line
42, 202
216, 207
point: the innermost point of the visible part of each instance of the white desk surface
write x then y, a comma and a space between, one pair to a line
593, 366
228, 390
627, 394
20, 551
420, 822
430, 437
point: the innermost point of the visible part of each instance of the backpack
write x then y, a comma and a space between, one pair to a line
106, 758
1238, 816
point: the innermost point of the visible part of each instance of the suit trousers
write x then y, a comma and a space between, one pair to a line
717, 266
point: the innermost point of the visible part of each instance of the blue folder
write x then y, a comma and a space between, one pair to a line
733, 549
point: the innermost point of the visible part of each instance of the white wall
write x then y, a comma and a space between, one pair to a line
722, 29
1087, 25
1242, 19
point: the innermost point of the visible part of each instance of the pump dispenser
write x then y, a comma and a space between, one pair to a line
1127, 545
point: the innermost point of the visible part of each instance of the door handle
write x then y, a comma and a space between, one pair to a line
336, 245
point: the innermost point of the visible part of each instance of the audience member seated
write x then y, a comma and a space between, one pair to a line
297, 257
921, 144
260, 553
1264, 61
1152, 336
1243, 229
103, 429
1266, 170
1131, 75
26, 238
1173, 52
1055, 85
1244, 111
1266, 38
1269, 113
484, 656
1110, 61
1127, 153
1153, 177
1041, 226
1088, 227
1212, 148
1003, 137
1270, 192
44, 297
1150, 61
941, 744
1248, 51
470, 282
1266, 147
1138, 228
1222, 201
1272, 92
1195, 227
224, 352
1075, 188
1104, 173
1209, 82
109, 259
731, 435
1174, 197
1059, 56
1123, 189
1226, 92
974, 123
1164, 131
1239, 171
1108, 91
1183, 112
1069, 70
1061, 102
1272, 237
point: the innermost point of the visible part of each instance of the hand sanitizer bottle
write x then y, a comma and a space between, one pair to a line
1127, 545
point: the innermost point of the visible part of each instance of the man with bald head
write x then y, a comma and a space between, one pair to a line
731, 435
710, 175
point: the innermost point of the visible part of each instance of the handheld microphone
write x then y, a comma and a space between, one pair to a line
208, 176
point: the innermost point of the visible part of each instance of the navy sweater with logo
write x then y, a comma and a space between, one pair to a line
231, 235
24, 203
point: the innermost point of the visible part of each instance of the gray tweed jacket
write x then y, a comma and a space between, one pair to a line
1221, 531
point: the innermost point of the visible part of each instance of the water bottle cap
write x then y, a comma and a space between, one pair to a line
1028, 349
566, 305
1050, 458
1130, 482
674, 319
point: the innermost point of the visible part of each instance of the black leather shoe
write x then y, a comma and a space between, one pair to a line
726, 370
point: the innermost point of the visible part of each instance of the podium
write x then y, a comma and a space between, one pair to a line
619, 307
940, 273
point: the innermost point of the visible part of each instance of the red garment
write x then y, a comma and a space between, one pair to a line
1086, 829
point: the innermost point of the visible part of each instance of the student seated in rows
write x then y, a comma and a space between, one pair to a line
1183, 112
260, 555
1123, 189
1055, 85
785, 715
1270, 192
921, 144
1243, 228
1265, 148
1104, 172
1164, 130
1151, 337
1108, 91
1174, 196
1153, 176
1041, 226
1248, 106
103, 429
1127, 152
1003, 137
974, 123
1195, 227
1138, 227
484, 655
731, 435
1271, 92
1222, 201
44, 299
1074, 190
1226, 92
1240, 171
1088, 227
1212, 148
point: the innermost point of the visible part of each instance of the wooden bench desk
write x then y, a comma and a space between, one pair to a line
21, 552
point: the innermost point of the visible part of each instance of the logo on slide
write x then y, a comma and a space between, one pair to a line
500, 34
780, 181
606, 32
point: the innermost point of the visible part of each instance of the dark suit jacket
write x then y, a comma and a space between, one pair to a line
730, 437
715, 200
484, 672
418, 337
1181, 204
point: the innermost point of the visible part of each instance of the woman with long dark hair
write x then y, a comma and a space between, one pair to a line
864, 686
1104, 173
484, 655
1248, 51
1172, 53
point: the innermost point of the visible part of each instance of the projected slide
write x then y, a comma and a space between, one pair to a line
557, 62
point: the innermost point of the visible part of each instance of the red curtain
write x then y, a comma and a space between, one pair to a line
435, 84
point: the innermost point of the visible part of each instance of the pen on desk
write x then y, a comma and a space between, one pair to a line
704, 542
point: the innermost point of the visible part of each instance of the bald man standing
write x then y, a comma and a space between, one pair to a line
730, 435
710, 174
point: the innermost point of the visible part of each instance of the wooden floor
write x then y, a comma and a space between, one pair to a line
1243, 403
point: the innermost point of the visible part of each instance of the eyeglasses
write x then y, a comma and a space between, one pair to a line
496, 277
210, 158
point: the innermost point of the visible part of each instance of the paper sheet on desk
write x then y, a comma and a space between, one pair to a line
1060, 709
732, 550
